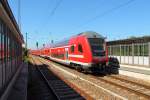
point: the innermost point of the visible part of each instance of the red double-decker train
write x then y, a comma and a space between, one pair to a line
86, 51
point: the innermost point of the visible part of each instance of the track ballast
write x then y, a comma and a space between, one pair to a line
49, 86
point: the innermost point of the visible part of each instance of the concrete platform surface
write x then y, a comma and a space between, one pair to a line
19, 89
135, 71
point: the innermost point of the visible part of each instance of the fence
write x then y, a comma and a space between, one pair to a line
133, 54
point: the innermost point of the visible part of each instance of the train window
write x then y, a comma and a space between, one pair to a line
72, 48
95, 41
80, 48
97, 46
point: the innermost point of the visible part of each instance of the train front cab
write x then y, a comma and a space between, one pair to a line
99, 54
88, 53
79, 54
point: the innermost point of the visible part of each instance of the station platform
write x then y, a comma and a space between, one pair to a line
19, 88
135, 71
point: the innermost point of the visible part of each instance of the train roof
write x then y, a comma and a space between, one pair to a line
91, 34
61, 43
88, 34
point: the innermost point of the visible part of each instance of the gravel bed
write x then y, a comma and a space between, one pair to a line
135, 80
129, 85
95, 92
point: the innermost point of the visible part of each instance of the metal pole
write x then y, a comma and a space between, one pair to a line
120, 52
19, 14
110, 51
128, 52
149, 52
26, 40
132, 53
124, 53
143, 52
138, 47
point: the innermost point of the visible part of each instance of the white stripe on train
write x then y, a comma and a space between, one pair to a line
70, 61
76, 56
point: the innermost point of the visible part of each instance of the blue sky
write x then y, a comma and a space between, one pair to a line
75, 16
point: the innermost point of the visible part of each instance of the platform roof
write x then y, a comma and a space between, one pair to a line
11, 16
144, 39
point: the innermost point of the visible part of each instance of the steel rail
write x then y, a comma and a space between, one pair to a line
129, 81
49, 85
107, 90
57, 89
82, 93
123, 87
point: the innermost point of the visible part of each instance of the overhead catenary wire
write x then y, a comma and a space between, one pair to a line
53, 11
55, 8
107, 12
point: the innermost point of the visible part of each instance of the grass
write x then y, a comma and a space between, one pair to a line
26, 59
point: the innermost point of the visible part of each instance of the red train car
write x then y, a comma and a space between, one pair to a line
86, 51
35, 52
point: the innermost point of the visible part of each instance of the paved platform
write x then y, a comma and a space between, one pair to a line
19, 89
135, 71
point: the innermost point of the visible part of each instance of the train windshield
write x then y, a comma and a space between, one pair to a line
97, 46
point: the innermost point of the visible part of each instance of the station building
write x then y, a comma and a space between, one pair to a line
11, 41
132, 51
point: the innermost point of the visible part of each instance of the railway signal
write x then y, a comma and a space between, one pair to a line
37, 45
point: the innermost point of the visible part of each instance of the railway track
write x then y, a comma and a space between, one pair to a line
60, 89
37, 88
131, 88
123, 79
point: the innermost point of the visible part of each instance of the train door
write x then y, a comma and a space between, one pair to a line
66, 53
